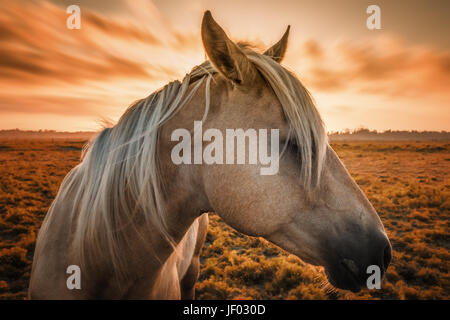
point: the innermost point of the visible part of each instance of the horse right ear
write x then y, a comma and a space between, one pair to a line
277, 51
224, 54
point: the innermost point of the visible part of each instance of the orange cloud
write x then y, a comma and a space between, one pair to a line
387, 67
126, 49
38, 52
36, 46
73, 106
313, 49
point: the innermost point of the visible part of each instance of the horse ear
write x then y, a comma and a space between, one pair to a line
225, 55
277, 51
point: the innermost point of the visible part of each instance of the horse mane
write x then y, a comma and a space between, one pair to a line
119, 181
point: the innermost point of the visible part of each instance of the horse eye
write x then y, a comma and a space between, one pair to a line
292, 145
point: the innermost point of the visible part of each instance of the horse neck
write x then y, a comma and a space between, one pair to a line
184, 195
182, 187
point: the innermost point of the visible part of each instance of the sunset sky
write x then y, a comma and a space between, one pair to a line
52, 77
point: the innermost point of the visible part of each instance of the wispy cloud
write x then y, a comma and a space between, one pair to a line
126, 49
36, 46
40, 58
387, 66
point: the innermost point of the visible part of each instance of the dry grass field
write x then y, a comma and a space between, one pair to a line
407, 182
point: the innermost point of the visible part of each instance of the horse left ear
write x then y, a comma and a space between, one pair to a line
277, 51
224, 54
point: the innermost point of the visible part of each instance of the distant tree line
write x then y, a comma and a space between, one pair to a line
347, 134
367, 134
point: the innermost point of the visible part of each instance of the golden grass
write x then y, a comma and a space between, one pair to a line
407, 182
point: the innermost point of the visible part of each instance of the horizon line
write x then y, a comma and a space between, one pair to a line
344, 131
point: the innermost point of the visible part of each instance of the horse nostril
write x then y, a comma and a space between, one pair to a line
350, 265
387, 256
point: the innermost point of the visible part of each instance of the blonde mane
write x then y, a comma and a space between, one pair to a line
119, 181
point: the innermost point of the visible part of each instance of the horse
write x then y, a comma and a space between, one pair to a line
134, 222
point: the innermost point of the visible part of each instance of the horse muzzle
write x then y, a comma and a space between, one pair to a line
363, 270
